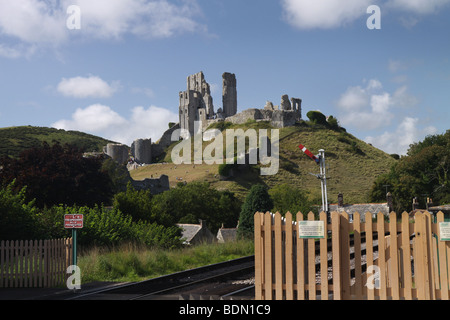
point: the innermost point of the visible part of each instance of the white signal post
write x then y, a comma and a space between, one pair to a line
323, 180
320, 160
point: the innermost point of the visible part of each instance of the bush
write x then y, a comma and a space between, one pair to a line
195, 201
258, 199
333, 123
317, 117
137, 204
288, 198
18, 218
110, 227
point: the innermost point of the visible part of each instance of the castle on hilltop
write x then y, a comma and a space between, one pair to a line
196, 104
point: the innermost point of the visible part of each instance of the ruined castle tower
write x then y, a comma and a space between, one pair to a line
229, 96
141, 150
118, 152
196, 103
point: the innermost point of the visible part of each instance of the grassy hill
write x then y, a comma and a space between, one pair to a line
352, 164
14, 140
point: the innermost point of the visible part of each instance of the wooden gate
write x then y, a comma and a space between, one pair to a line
381, 259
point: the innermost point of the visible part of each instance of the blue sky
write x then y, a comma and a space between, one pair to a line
118, 76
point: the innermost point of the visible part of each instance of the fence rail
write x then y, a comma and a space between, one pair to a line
34, 264
411, 261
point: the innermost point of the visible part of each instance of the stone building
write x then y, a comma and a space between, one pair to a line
361, 208
141, 150
193, 234
118, 152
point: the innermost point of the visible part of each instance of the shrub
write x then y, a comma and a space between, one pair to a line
195, 201
258, 199
288, 198
317, 117
17, 216
137, 204
110, 227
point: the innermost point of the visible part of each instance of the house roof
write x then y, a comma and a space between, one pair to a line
440, 208
361, 208
228, 234
189, 230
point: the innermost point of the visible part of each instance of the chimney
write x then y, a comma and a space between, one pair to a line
429, 203
390, 203
415, 204
340, 200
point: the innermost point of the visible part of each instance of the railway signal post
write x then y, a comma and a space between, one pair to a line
320, 160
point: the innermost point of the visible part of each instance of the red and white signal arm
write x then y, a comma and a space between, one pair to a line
73, 221
309, 153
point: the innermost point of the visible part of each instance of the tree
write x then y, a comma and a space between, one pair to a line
57, 175
288, 198
333, 123
17, 216
258, 200
194, 201
137, 204
423, 173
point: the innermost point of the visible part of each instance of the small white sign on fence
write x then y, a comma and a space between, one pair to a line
311, 230
444, 230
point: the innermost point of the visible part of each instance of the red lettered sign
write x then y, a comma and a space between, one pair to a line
73, 221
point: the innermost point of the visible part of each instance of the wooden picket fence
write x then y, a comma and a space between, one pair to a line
411, 261
34, 264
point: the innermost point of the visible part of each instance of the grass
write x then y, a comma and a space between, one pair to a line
352, 165
130, 263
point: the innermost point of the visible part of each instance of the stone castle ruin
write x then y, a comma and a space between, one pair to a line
196, 104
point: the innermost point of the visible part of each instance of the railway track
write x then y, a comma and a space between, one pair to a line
226, 280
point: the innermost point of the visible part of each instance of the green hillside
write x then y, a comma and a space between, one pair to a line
14, 140
352, 164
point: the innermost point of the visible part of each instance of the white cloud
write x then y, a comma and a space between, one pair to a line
95, 118
325, 14
101, 120
86, 87
366, 108
32, 21
399, 140
371, 107
148, 19
43, 22
419, 6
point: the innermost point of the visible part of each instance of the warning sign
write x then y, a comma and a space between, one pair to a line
73, 221
311, 230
